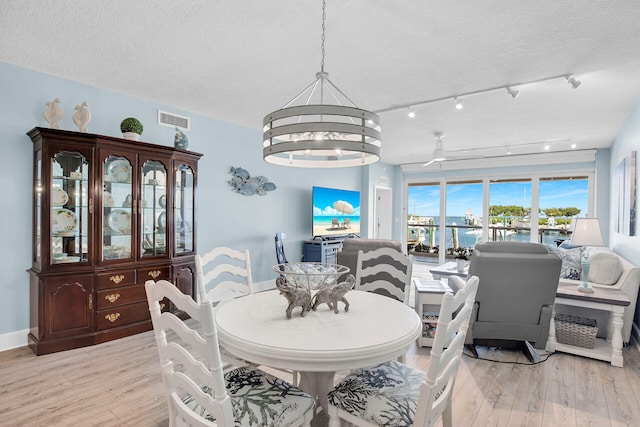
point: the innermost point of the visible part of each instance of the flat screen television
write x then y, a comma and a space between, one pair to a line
335, 212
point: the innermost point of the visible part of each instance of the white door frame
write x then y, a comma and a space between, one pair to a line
382, 212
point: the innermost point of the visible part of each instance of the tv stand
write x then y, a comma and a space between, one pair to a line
321, 249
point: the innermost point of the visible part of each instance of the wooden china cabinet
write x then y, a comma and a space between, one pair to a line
108, 214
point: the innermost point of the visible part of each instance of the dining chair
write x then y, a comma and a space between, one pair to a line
385, 271
394, 394
228, 274
198, 392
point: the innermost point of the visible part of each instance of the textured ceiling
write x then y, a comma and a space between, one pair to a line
238, 60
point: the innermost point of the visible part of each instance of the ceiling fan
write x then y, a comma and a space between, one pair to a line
438, 154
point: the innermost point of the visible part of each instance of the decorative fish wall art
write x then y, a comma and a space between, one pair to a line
243, 183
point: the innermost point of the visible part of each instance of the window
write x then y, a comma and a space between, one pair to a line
423, 217
560, 200
464, 215
536, 209
510, 210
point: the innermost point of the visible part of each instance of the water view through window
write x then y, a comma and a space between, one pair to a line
559, 200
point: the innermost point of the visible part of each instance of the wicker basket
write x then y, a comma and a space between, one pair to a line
575, 330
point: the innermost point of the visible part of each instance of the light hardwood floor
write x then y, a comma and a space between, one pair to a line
119, 384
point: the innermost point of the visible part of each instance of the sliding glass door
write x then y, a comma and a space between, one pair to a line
449, 216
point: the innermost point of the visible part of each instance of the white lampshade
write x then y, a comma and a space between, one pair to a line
586, 232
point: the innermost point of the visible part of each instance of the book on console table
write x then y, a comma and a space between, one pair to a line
430, 285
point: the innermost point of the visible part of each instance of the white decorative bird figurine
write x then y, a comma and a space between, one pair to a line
53, 113
82, 116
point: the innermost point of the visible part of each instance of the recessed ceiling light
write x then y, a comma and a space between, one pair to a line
547, 147
459, 105
573, 145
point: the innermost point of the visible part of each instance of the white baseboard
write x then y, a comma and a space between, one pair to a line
265, 285
12, 340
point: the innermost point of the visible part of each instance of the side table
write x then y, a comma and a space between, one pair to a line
428, 298
448, 269
612, 300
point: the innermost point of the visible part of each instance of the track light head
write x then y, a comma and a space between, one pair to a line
513, 92
459, 105
411, 113
573, 82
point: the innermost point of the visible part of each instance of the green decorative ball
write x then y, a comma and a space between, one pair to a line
131, 124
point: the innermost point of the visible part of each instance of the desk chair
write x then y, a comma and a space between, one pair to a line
197, 391
280, 256
394, 394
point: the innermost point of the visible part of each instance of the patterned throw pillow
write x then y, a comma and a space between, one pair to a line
571, 267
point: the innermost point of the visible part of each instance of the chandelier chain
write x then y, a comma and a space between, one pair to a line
324, 17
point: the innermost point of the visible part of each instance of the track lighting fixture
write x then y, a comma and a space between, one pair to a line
573, 82
513, 92
412, 113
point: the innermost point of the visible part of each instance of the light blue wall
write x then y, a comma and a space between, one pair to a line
628, 140
224, 218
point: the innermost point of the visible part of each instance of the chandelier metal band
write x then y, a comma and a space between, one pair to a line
321, 136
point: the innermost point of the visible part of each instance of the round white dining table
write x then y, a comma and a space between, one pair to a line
376, 329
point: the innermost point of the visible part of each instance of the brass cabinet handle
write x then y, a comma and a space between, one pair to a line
112, 317
112, 297
154, 274
90, 301
117, 279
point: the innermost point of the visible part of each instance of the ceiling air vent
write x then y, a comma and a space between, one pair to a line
172, 120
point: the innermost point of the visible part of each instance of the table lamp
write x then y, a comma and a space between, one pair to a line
586, 232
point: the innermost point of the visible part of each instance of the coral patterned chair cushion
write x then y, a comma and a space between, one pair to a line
385, 395
259, 399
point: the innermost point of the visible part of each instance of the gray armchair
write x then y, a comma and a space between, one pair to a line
514, 302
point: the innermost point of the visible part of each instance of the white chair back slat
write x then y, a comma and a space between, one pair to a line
384, 261
229, 277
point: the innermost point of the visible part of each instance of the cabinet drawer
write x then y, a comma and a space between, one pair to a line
123, 315
153, 273
116, 278
120, 296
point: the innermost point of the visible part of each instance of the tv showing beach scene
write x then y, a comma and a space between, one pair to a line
335, 212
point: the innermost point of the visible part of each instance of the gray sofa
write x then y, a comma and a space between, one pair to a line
516, 293
608, 271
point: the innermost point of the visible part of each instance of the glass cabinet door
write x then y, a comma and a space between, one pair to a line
69, 208
183, 209
153, 205
118, 209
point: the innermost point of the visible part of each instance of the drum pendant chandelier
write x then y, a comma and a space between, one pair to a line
319, 135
